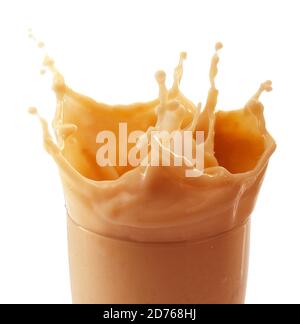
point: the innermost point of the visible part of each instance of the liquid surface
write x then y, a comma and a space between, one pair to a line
159, 204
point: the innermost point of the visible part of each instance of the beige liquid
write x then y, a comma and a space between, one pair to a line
150, 234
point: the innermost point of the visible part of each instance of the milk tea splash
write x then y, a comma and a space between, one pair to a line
159, 204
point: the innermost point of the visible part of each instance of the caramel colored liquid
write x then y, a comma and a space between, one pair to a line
150, 234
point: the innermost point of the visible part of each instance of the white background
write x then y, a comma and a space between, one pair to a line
110, 51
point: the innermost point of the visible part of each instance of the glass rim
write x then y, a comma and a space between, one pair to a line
205, 239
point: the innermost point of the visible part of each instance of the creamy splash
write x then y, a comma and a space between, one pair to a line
159, 204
